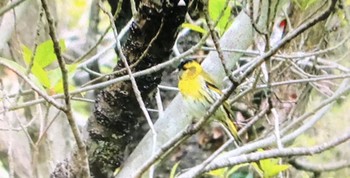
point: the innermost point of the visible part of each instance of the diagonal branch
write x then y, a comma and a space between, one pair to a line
284, 152
10, 6
318, 167
85, 171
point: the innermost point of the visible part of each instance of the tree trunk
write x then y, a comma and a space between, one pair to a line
117, 116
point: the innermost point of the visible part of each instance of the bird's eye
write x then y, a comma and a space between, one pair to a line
181, 66
184, 64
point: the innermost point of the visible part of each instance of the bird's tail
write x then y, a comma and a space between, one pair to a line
232, 128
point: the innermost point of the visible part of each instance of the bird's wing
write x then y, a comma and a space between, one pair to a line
228, 116
210, 83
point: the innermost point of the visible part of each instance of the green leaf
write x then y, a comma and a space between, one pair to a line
44, 56
12, 65
55, 76
173, 170
257, 169
274, 169
271, 168
36, 69
219, 173
304, 4
58, 88
20, 69
215, 8
41, 74
27, 54
45, 53
193, 27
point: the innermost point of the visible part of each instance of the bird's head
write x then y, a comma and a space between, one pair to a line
189, 69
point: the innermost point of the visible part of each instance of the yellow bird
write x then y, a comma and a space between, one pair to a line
199, 93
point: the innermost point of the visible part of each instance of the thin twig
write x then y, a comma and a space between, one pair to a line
133, 8
318, 113
215, 36
89, 71
10, 6
268, 54
23, 128
137, 74
240, 132
252, 121
29, 123
239, 157
133, 82
308, 24
343, 88
109, 47
150, 70
42, 136
143, 55
229, 142
85, 170
168, 88
276, 153
277, 128
277, 135
86, 100
320, 167
10, 135
249, 68
298, 81
92, 48
31, 62
46, 97
116, 15
184, 134
159, 103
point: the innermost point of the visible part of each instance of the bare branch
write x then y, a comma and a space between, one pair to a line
273, 153
319, 167
284, 152
308, 24
10, 6
224, 158
85, 171
46, 97
132, 79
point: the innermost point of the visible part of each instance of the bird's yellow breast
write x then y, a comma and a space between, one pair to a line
190, 88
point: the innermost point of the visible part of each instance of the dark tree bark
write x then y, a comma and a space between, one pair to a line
117, 116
